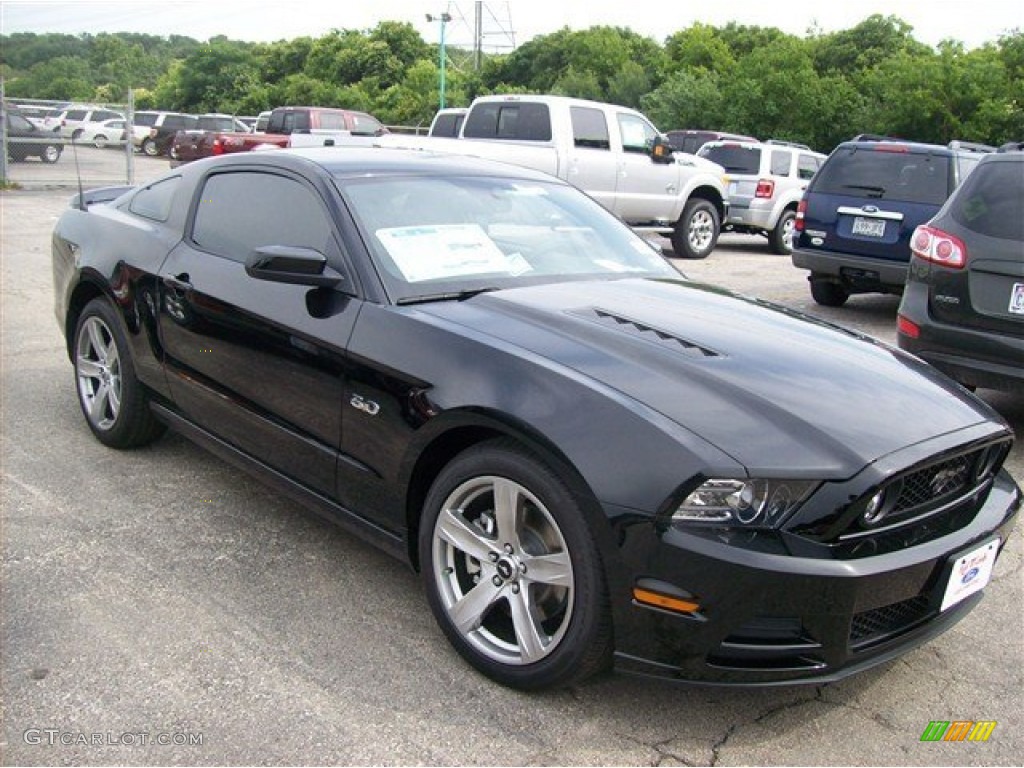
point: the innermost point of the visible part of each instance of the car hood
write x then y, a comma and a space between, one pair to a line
774, 389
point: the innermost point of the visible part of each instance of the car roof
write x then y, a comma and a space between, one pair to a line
385, 161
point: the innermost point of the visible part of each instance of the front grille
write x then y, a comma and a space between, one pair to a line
935, 484
878, 624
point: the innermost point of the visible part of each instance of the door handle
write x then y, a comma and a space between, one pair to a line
178, 282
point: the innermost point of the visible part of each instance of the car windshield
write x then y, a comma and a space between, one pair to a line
912, 177
438, 238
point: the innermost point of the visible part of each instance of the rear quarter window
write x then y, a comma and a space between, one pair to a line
500, 120
991, 201
155, 201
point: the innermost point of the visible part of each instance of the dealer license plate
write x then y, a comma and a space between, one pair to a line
1017, 299
869, 227
971, 572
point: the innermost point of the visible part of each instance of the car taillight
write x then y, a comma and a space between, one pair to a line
801, 208
938, 247
907, 327
765, 188
218, 147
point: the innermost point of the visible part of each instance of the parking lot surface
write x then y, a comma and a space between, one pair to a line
160, 608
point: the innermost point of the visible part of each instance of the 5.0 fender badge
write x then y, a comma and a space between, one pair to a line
366, 406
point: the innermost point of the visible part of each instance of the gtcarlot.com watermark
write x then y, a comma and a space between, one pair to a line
55, 737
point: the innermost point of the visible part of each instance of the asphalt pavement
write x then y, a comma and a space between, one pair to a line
160, 608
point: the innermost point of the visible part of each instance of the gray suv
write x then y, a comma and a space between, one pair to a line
963, 306
766, 182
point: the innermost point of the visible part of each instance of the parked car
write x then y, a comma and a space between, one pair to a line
448, 122
690, 140
24, 139
854, 223
766, 182
77, 118
42, 117
963, 306
160, 128
479, 368
103, 133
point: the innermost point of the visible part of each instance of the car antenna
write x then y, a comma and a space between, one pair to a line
78, 174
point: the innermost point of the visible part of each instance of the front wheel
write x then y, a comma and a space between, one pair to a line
511, 571
99, 141
113, 401
697, 230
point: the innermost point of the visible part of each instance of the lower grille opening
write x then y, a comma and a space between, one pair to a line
768, 643
879, 624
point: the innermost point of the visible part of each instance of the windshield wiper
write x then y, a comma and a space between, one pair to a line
879, 191
450, 296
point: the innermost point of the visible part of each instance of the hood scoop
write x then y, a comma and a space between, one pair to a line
644, 331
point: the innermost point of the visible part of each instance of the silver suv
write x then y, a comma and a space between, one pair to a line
766, 181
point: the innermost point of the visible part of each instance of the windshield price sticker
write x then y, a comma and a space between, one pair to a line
1017, 299
971, 573
446, 250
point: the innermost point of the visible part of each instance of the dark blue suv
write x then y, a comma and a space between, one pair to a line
855, 220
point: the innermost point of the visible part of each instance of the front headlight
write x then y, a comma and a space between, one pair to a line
743, 503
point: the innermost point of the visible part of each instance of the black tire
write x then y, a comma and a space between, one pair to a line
828, 294
149, 148
50, 153
780, 239
697, 230
99, 141
114, 403
518, 589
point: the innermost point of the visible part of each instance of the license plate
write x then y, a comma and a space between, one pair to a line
971, 572
869, 227
1017, 299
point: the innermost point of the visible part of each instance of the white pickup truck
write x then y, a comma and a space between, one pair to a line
613, 153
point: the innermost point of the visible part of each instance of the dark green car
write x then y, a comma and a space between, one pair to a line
963, 307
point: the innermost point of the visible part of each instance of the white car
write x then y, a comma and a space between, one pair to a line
103, 133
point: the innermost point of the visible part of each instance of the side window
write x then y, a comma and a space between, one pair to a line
965, 164
332, 121
637, 134
75, 114
239, 212
154, 201
364, 125
781, 160
526, 122
807, 167
19, 123
174, 122
589, 128
104, 114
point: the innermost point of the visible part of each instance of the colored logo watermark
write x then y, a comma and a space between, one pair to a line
958, 730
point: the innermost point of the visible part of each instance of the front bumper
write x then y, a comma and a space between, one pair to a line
769, 619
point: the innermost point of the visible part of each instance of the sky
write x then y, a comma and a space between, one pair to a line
504, 23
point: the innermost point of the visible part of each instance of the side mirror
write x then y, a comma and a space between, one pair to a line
661, 151
291, 264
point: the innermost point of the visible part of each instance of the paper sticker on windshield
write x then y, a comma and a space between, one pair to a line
444, 250
1017, 299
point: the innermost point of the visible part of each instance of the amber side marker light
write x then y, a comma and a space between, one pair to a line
666, 602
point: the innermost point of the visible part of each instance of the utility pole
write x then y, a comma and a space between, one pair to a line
444, 18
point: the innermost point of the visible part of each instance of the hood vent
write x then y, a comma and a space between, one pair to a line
644, 331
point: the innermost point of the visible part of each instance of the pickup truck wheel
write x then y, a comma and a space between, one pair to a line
781, 238
149, 148
696, 232
827, 293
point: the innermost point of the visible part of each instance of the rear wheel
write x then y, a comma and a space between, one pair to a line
828, 294
697, 230
511, 571
781, 238
150, 148
100, 141
113, 401
50, 153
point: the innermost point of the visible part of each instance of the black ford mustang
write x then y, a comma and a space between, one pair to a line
588, 456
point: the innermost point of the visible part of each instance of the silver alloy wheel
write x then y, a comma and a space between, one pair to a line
98, 368
503, 570
788, 229
51, 154
701, 230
